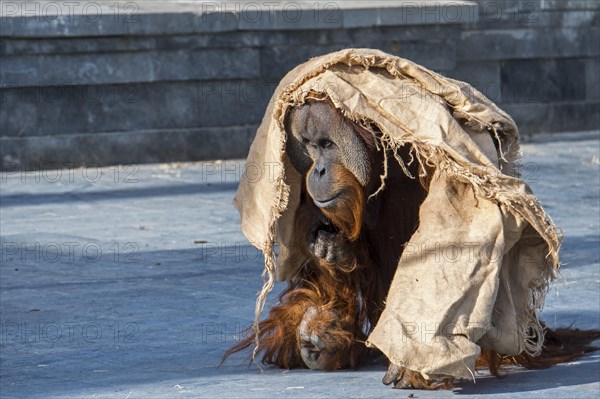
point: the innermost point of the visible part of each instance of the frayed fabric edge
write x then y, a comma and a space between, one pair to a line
489, 188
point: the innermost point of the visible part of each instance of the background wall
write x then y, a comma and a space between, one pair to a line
95, 83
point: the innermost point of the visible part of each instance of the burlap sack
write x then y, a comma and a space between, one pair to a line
476, 271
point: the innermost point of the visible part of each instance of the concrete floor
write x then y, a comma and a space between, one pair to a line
132, 283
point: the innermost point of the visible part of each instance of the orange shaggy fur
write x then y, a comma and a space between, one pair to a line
331, 288
354, 289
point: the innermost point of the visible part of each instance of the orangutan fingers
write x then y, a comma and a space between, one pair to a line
319, 246
331, 255
325, 246
393, 373
311, 344
403, 384
310, 351
403, 378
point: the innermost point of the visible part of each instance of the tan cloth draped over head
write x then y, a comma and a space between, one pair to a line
476, 270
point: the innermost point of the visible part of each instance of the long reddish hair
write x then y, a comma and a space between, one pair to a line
353, 290
338, 289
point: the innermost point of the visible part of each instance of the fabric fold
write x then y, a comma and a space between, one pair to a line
476, 271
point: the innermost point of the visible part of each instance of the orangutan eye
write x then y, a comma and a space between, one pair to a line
325, 143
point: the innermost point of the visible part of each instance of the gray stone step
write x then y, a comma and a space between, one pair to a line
80, 79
